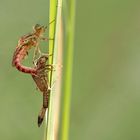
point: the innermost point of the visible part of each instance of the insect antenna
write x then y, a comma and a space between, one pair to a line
49, 24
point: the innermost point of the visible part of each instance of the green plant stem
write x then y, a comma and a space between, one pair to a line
55, 14
70, 22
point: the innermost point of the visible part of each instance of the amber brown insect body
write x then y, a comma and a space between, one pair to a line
19, 55
25, 43
41, 80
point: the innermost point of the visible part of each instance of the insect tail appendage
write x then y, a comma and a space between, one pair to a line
41, 116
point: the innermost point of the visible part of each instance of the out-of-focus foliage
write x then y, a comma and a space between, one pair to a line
20, 102
106, 80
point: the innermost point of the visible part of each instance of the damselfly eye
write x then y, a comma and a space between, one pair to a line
43, 60
37, 26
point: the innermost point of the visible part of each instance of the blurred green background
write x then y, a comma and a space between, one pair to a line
20, 102
106, 77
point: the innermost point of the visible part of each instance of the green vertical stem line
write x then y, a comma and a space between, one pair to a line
55, 61
53, 6
55, 14
70, 28
49, 134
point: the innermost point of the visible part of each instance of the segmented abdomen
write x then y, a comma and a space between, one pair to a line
18, 56
24, 68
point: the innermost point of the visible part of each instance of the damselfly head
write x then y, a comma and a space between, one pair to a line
42, 59
37, 27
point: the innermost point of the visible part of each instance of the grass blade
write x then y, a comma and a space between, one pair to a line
55, 13
69, 13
